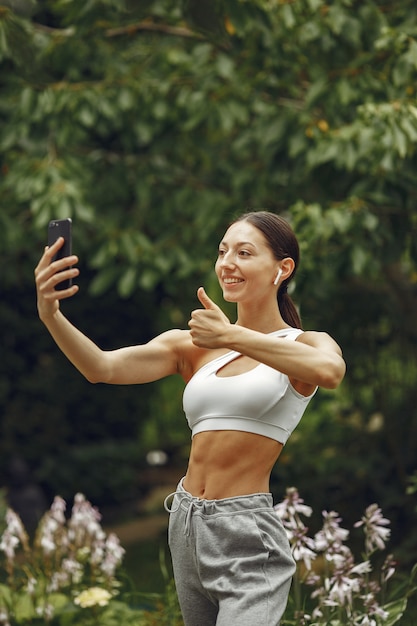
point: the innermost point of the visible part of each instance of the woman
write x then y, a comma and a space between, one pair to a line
248, 384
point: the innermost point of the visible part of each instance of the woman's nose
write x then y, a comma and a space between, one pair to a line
227, 260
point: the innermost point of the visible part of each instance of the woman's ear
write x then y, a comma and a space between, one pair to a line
287, 266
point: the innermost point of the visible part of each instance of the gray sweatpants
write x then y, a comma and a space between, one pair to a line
231, 559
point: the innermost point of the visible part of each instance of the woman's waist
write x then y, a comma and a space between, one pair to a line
225, 464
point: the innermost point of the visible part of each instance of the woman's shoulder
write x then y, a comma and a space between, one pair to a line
187, 354
176, 340
318, 339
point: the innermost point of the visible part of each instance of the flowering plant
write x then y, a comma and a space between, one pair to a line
68, 574
330, 588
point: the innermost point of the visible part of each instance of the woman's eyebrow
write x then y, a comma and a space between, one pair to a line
239, 243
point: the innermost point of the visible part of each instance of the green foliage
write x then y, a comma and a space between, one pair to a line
50, 417
3, 509
152, 124
332, 586
108, 470
70, 574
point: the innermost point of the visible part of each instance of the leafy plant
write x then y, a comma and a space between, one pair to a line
330, 587
67, 575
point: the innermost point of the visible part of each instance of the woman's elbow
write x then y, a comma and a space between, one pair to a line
99, 370
332, 374
97, 375
92, 379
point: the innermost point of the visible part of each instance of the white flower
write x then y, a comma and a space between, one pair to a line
331, 535
379, 612
51, 525
72, 569
84, 529
13, 535
361, 568
58, 509
292, 505
31, 585
113, 546
388, 568
340, 594
47, 544
303, 547
4, 617
375, 533
97, 554
94, 596
45, 610
365, 620
15, 526
52, 534
8, 545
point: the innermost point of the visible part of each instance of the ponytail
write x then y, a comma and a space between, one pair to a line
288, 309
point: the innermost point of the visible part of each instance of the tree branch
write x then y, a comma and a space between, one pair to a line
130, 29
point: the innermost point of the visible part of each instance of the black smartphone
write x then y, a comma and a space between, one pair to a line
61, 228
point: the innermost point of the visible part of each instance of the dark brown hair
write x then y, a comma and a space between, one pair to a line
283, 243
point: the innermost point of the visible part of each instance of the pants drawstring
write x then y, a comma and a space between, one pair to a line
194, 503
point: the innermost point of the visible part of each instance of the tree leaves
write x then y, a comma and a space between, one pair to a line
152, 124
150, 128
15, 38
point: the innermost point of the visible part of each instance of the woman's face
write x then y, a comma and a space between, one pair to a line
245, 267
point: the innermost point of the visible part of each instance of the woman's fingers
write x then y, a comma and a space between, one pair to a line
58, 277
49, 273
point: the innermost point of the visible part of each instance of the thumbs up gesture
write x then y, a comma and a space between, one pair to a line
208, 325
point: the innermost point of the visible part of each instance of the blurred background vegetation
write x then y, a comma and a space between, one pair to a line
152, 124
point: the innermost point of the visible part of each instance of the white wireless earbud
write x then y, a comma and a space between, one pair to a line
276, 281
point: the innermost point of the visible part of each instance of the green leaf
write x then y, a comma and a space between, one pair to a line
225, 66
324, 151
411, 55
395, 611
148, 279
359, 259
399, 139
315, 4
23, 607
103, 281
288, 16
409, 127
5, 594
58, 601
127, 282
87, 116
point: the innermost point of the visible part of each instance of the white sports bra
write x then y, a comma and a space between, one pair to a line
261, 401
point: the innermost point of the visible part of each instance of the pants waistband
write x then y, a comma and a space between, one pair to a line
234, 504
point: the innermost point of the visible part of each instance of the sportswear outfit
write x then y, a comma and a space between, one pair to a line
231, 557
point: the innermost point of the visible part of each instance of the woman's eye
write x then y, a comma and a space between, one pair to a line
244, 253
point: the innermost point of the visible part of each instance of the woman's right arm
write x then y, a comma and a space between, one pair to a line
131, 365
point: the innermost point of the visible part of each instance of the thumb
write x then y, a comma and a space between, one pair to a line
205, 300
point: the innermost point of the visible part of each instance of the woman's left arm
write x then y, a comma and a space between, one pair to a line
314, 359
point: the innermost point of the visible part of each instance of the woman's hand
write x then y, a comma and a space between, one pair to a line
50, 273
208, 326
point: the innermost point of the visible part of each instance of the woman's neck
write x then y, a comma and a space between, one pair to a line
263, 320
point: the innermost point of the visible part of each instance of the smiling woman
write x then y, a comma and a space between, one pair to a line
271, 236
248, 385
